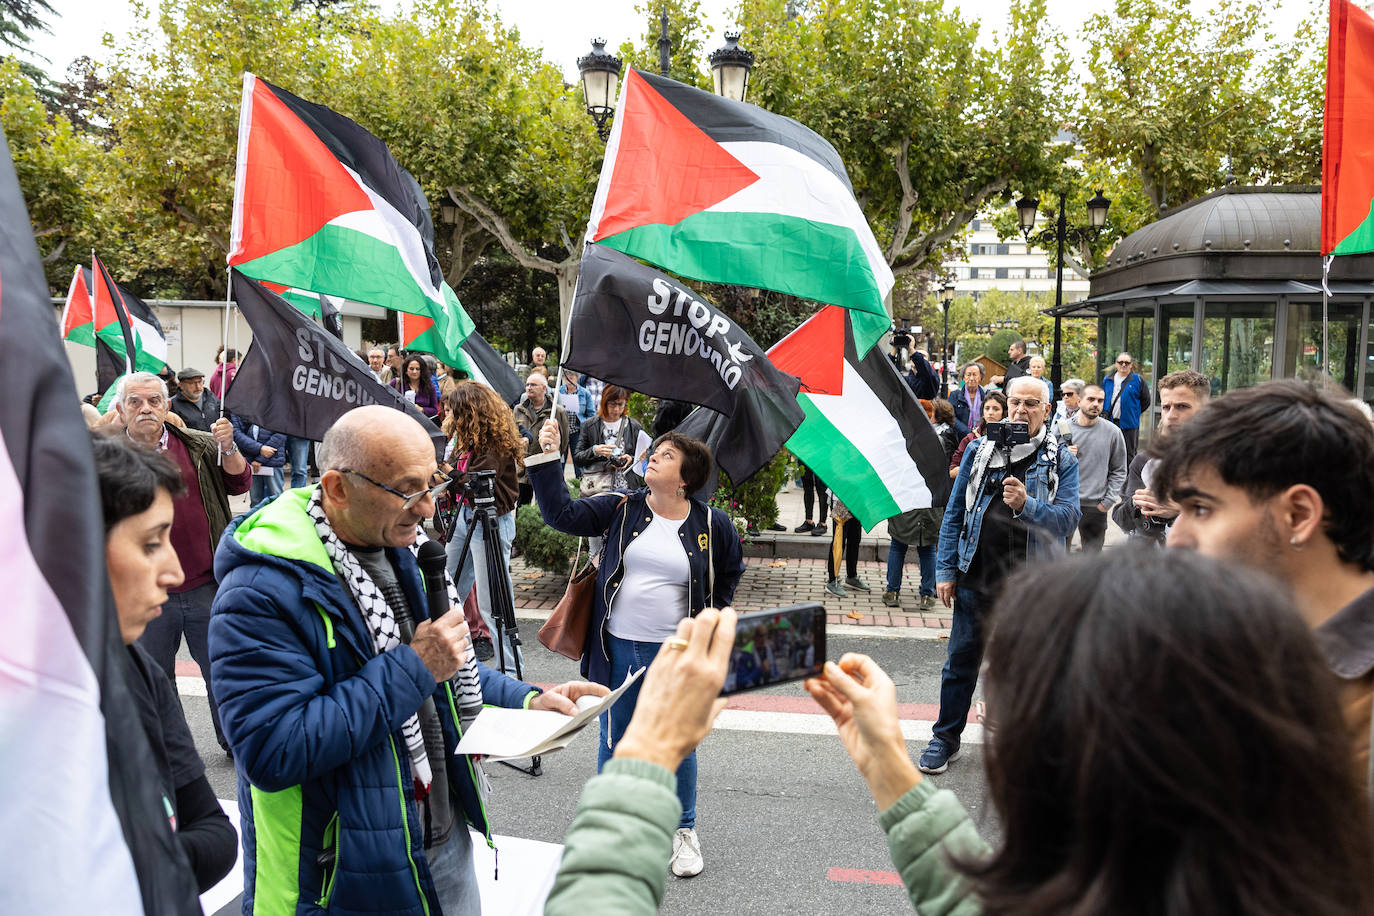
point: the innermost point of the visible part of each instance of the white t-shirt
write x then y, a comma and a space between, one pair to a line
1117, 381
653, 596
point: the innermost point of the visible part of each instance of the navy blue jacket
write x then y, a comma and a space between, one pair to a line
313, 714
251, 445
603, 515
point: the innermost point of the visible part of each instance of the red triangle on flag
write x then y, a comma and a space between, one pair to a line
79, 310
814, 352
289, 183
412, 326
666, 168
103, 297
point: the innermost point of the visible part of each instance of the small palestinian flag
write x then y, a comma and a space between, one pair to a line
320, 204
474, 355
126, 324
725, 192
78, 315
1348, 135
865, 434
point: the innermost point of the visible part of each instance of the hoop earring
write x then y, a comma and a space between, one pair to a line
1296, 544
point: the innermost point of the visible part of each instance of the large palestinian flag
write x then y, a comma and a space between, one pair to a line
725, 192
1348, 135
320, 204
865, 434
84, 825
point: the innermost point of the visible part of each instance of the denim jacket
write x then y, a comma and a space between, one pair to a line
1050, 522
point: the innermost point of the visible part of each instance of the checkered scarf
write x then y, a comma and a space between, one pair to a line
386, 634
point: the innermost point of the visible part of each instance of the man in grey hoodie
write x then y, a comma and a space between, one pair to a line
1101, 452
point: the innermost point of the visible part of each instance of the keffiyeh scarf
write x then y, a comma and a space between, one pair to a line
990, 456
386, 634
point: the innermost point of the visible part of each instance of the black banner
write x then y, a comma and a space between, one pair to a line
634, 326
297, 378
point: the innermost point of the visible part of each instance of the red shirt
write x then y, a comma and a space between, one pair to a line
190, 525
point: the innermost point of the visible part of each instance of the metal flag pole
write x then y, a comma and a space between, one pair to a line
224, 342
1326, 297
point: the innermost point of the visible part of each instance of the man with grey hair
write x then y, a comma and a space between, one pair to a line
538, 405
376, 362
1068, 404
212, 468
343, 698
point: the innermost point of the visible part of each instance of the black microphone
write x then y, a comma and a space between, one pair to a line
432, 562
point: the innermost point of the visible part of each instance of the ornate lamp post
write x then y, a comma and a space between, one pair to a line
730, 68
946, 300
600, 84
1027, 209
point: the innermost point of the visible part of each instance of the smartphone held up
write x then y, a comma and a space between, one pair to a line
775, 646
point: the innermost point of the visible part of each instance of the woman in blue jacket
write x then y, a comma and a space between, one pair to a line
666, 556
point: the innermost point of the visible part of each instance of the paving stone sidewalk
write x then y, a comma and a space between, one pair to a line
773, 583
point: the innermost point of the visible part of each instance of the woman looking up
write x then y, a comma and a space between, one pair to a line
667, 556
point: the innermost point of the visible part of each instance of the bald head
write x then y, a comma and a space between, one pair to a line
368, 457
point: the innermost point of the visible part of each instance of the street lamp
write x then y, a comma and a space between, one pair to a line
600, 83
1026, 210
946, 300
730, 68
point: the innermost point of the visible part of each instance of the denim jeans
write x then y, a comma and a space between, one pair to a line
455, 878
896, 557
298, 454
960, 674
263, 486
505, 530
462, 578
185, 612
628, 656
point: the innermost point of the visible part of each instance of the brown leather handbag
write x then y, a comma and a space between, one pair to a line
565, 632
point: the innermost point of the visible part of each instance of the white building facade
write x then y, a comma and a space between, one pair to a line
988, 263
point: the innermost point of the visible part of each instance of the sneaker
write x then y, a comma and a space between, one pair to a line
935, 759
818, 531
856, 582
928, 602
890, 599
483, 649
777, 526
686, 861
804, 527
835, 588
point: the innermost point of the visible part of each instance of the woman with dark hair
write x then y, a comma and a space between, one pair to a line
416, 384
137, 487
667, 555
967, 400
483, 437
1166, 741
994, 411
606, 446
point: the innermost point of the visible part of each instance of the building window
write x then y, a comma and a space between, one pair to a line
973, 273
977, 224
1004, 249
1001, 273
1304, 342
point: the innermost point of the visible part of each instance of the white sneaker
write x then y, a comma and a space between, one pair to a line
686, 861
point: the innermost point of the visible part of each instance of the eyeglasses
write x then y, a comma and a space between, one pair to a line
1123, 362
408, 499
1028, 403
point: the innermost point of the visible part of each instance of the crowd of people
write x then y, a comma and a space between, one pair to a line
1245, 596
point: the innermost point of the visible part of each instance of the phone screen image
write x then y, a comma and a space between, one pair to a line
775, 646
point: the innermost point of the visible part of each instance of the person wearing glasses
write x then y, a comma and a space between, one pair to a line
1008, 508
1128, 397
343, 700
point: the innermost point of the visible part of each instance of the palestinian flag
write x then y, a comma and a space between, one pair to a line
1348, 134
324, 309
126, 324
725, 192
474, 355
321, 205
865, 434
78, 315
85, 825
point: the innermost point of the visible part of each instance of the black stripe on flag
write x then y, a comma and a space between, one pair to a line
496, 372
56, 552
296, 377
725, 121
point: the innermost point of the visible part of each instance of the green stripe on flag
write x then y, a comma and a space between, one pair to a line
820, 261
1361, 240
823, 448
83, 334
343, 262
107, 399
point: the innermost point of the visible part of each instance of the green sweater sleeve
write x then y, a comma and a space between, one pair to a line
923, 828
615, 855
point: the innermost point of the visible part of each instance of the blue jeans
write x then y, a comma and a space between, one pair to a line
263, 485
465, 577
960, 674
896, 556
298, 454
185, 612
474, 572
628, 656
455, 878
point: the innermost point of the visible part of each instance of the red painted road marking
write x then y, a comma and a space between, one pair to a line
863, 876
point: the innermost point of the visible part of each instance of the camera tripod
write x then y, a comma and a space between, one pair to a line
499, 590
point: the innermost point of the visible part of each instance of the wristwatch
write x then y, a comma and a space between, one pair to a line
230, 450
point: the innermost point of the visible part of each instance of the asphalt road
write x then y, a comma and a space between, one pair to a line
778, 814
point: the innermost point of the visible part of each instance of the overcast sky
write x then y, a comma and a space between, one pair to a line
564, 29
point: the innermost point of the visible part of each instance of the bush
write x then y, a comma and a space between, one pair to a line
541, 545
755, 500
